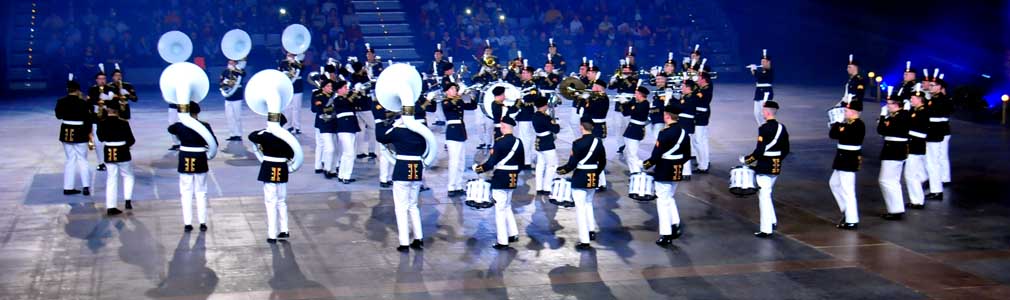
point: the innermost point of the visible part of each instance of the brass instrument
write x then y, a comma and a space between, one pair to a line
571, 87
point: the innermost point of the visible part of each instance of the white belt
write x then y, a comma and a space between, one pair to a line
192, 149
637, 122
73, 123
849, 147
545, 133
773, 153
115, 144
408, 157
507, 168
345, 114
895, 139
672, 157
275, 159
683, 115
599, 120
937, 120
497, 125
917, 134
763, 85
701, 109
451, 122
587, 167
379, 121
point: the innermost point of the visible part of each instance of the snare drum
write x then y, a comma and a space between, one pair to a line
478, 194
741, 181
836, 115
641, 187
561, 193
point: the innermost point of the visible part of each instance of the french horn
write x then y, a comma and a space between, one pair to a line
183, 82
397, 89
268, 93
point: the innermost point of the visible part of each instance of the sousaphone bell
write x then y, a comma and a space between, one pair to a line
268, 93
183, 82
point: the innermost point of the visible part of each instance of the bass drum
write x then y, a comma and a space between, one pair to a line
512, 94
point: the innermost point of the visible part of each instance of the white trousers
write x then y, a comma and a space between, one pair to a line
616, 122
76, 164
485, 128
934, 166
666, 206
99, 145
890, 185
766, 206
112, 174
346, 154
525, 132
584, 212
915, 174
455, 165
291, 112
190, 186
275, 198
945, 160
504, 219
843, 187
576, 124
631, 155
699, 145
386, 164
366, 137
408, 215
655, 129
546, 168
173, 117
233, 114
758, 116
326, 152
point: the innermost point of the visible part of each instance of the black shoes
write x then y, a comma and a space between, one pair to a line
545, 193
129, 204
71, 192
417, 244
934, 196
500, 246
701, 171
362, 155
329, 175
664, 240
403, 248
763, 235
583, 246
235, 138
187, 228
775, 226
101, 167
916, 206
113, 211
385, 184
848, 226
677, 231
893, 217
271, 241
348, 181
592, 235
319, 171
620, 149
283, 236
514, 239
297, 131
601, 188
439, 123
203, 227
371, 155
86, 191
425, 188
456, 193
174, 148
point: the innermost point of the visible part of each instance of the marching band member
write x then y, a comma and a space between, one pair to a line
488, 66
937, 160
638, 110
661, 97
908, 82
407, 176
122, 91
118, 137
231, 87
552, 79
915, 164
513, 74
554, 57
625, 83
586, 163
292, 66
499, 110
505, 159
365, 144
597, 103
192, 168
703, 112
694, 63
687, 104
672, 151
893, 125
383, 121
98, 94
546, 129
856, 86
763, 76
579, 104
669, 70
326, 127
347, 129
274, 175
771, 149
75, 116
453, 108
847, 161
524, 129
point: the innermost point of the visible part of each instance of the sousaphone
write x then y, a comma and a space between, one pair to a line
268, 93
397, 89
183, 82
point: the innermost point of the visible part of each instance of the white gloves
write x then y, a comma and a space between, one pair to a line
743, 160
